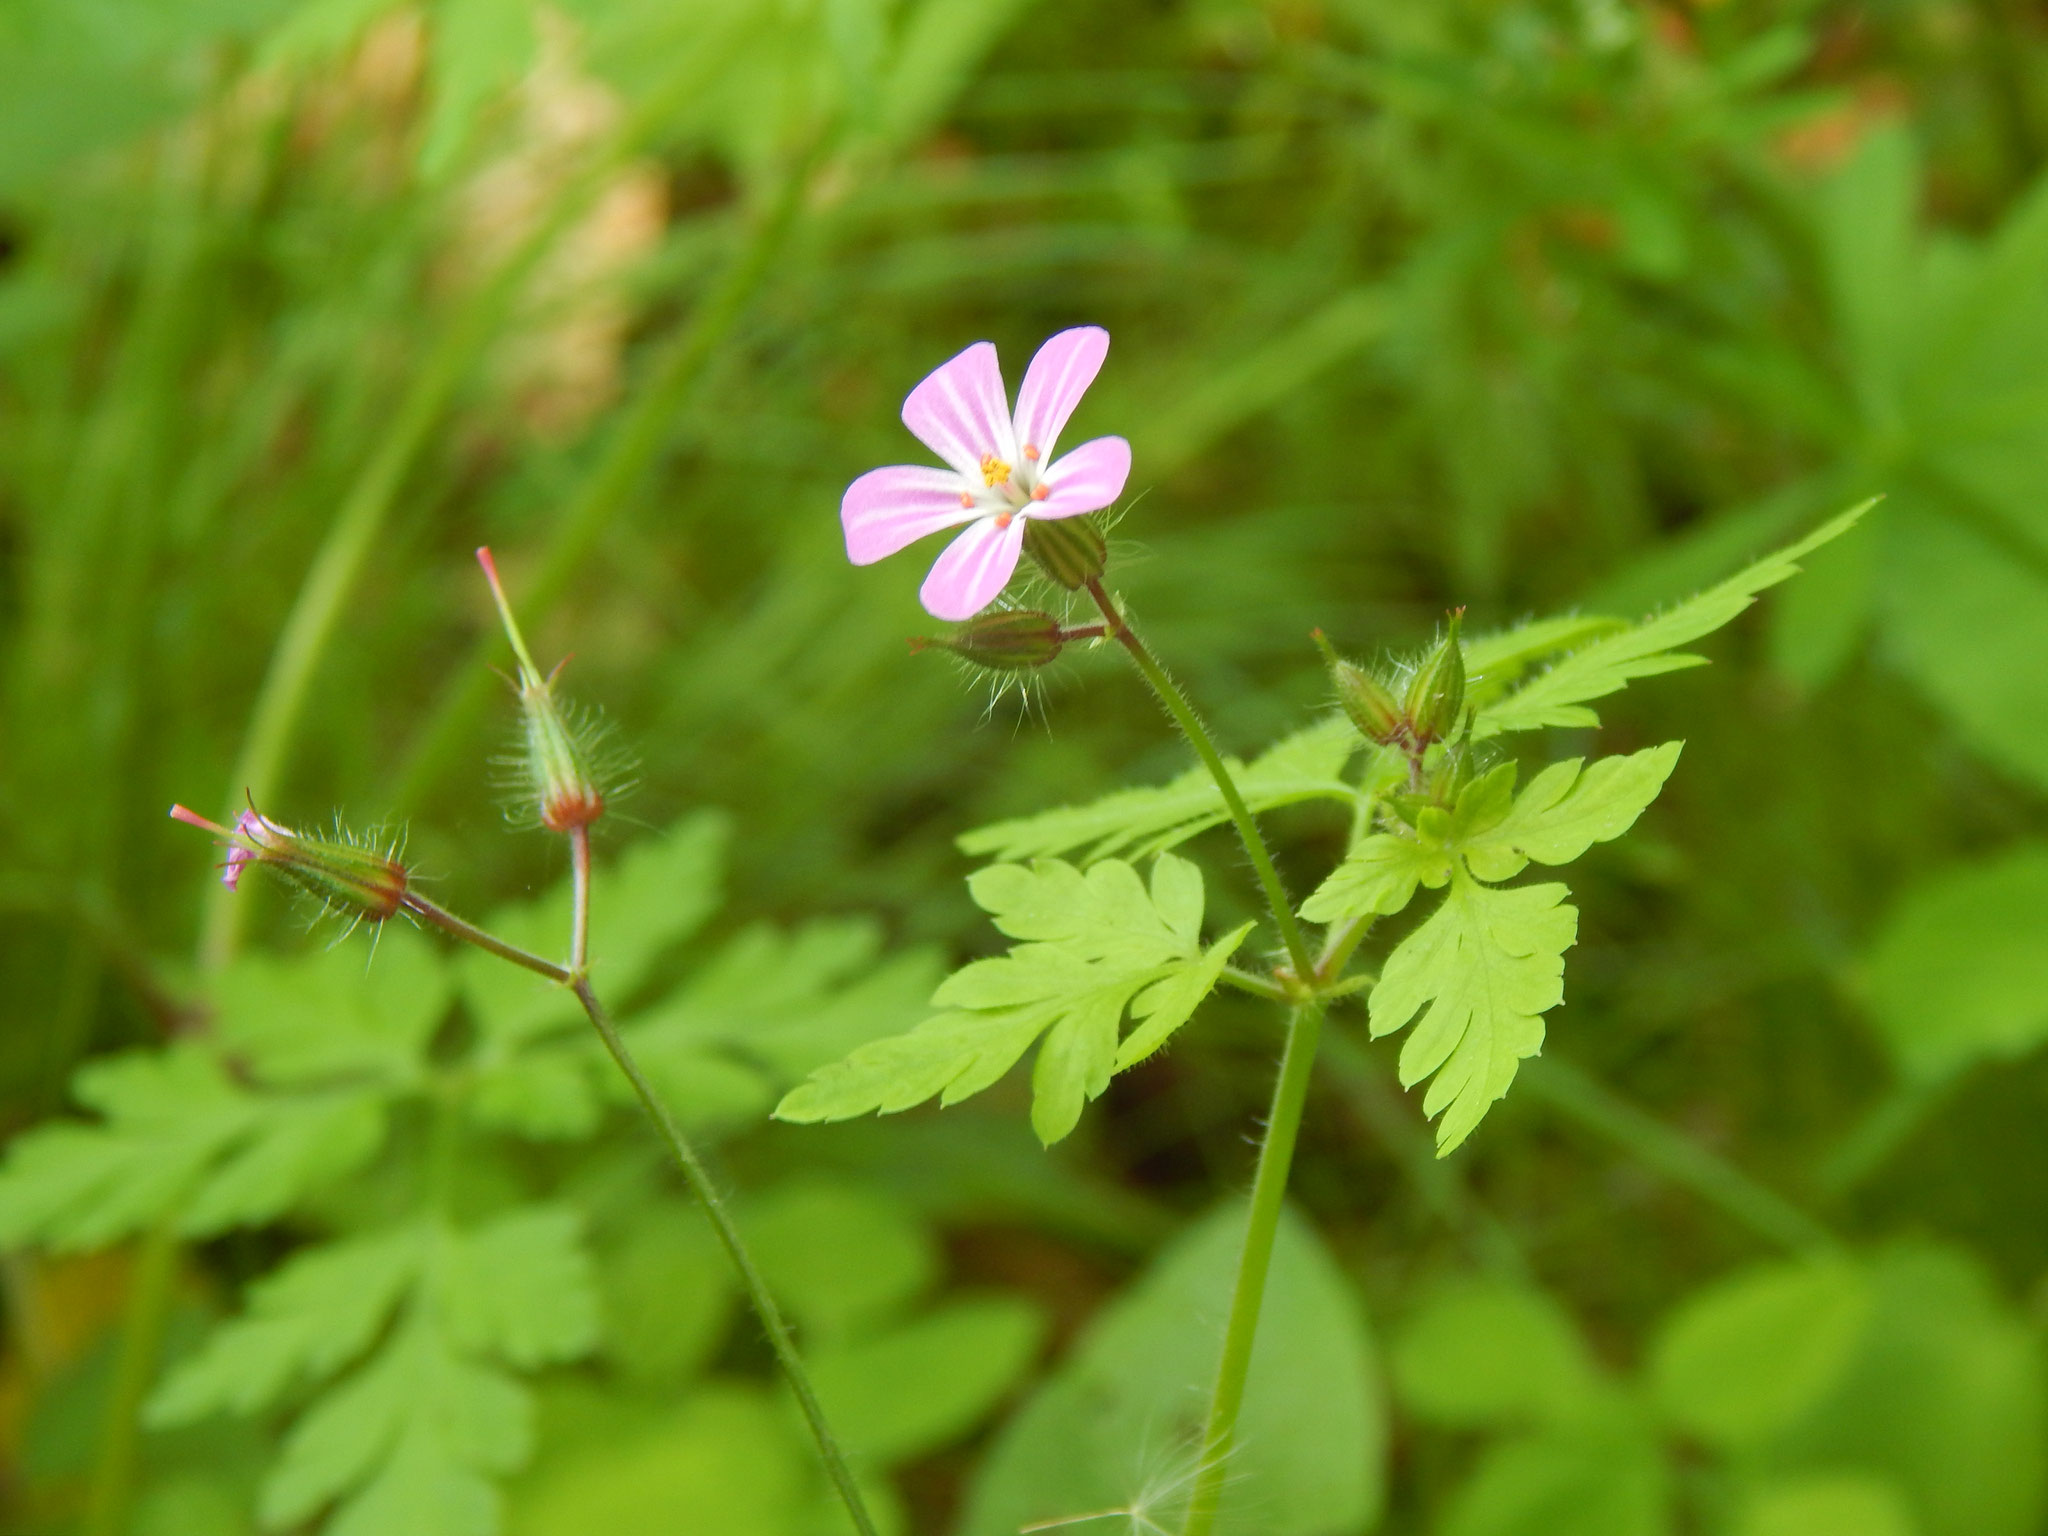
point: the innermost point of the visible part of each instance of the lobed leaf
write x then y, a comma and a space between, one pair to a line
1559, 695
1482, 971
1094, 944
1567, 808
178, 1136
308, 1319
1307, 765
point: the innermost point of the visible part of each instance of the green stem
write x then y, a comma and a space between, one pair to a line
1679, 1158
1269, 1192
1197, 735
639, 435
468, 932
1290, 1089
763, 1301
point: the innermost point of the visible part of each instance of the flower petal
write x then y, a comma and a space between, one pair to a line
973, 569
1058, 377
889, 509
960, 411
1089, 478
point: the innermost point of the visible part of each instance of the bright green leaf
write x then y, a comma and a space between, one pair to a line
305, 1321
1094, 944
1487, 964
1135, 822
1565, 810
1378, 879
1558, 696
332, 1014
520, 1288
178, 1135
1603, 1474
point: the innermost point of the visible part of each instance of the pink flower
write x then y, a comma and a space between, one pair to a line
1001, 470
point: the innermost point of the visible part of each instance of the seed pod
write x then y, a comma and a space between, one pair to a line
1008, 640
1363, 697
1071, 550
344, 874
1436, 694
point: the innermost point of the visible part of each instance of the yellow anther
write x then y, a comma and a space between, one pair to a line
993, 470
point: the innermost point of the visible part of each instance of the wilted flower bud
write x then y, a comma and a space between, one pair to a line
1436, 694
1071, 550
1364, 697
1008, 640
342, 874
554, 764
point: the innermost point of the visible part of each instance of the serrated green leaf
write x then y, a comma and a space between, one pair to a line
1378, 879
1493, 662
1308, 765
305, 1321
1559, 695
1092, 943
1487, 964
331, 1014
410, 1443
1567, 808
178, 1135
1167, 1004
792, 1000
521, 1289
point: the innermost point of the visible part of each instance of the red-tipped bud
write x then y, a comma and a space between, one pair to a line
343, 874
554, 766
1009, 640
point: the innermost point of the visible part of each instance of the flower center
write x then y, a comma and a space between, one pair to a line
993, 470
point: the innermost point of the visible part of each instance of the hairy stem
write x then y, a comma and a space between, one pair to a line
758, 1295
1290, 1090
698, 1177
468, 932
1197, 735
1269, 1193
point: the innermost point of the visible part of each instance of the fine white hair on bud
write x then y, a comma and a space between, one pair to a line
557, 773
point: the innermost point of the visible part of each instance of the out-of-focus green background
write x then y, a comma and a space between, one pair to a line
1522, 306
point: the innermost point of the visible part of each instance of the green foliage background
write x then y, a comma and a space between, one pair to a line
1527, 307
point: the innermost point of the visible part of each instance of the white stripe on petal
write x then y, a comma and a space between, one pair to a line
1089, 478
973, 569
960, 411
1058, 377
889, 509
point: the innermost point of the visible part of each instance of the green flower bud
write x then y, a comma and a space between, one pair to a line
1364, 698
1436, 694
1070, 550
1008, 640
